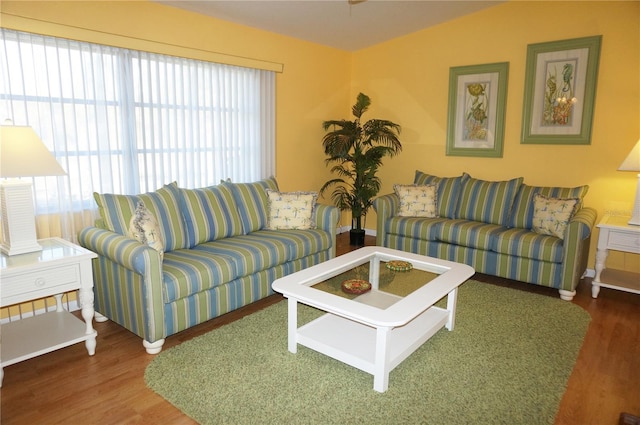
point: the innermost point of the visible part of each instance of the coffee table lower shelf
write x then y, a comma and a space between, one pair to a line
373, 350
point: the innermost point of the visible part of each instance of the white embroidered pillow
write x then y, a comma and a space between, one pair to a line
551, 215
290, 210
144, 228
417, 201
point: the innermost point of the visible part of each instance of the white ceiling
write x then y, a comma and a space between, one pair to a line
336, 23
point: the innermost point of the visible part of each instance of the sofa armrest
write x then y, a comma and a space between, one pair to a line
385, 207
127, 252
326, 218
127, 282
577, 239
582, 223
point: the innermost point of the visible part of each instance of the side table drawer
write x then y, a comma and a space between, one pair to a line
39, 284
624, 241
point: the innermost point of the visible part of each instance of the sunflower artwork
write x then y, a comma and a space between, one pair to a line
476, 123
559, 93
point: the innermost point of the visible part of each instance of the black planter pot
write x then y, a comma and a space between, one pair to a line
356, 237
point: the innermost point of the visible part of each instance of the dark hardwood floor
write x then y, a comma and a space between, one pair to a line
69, 387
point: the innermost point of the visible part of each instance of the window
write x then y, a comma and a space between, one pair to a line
125, 121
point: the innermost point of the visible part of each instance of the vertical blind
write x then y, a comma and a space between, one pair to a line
125, 121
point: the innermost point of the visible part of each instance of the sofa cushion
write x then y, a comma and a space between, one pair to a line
417, 227
297, 243
267, 248
417, 200
448, 191
522, 211
551, 215
188, 271
471, 234
210, 213
290, 210
527, 244
251, 200
487, 201
116, 212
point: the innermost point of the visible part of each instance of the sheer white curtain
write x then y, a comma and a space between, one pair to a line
124, 121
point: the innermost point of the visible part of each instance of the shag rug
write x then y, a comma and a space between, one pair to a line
507, 361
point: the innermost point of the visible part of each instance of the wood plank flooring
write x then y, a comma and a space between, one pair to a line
69, 387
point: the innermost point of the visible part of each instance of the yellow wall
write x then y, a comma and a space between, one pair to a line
407, 79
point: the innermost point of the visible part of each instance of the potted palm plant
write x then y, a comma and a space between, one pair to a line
356, 149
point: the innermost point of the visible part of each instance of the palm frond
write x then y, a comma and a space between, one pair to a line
362, 105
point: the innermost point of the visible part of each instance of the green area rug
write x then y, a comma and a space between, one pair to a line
506, 362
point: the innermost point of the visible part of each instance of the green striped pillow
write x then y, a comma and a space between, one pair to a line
522, 211
116, 212
210, 214
448, 191
251, 200
488, 201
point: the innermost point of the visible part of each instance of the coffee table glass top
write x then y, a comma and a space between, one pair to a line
399, 283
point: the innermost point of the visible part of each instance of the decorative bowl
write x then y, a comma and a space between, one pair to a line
399, 266
355, 286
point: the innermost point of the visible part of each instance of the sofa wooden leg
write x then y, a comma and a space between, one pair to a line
567, 295
153, 347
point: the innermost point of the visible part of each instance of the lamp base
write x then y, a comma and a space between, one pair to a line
13, 249
18, 218
635, 214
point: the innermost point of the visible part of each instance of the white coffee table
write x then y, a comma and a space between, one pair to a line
376, 331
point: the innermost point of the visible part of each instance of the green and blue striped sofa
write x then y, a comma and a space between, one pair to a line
489, 226
217, 257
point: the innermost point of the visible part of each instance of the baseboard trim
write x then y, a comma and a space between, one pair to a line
344, 229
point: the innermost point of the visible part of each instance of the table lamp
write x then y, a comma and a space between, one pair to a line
22, 154
632, 163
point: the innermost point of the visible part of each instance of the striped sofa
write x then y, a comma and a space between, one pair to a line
494, 227
218, 255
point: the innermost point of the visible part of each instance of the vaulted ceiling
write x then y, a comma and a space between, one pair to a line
343, 24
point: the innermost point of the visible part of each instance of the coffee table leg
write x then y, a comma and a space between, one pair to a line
374, 272
292, 306
381, 374
452, 300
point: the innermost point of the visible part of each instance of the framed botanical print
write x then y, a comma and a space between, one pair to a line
477, 98
560, 89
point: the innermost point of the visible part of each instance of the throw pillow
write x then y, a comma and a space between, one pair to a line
144, 228
551, 215
448, 191
116, 212
292, 210
417, 201
522, 211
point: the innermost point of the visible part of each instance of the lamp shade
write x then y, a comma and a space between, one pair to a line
22, 154
632, 161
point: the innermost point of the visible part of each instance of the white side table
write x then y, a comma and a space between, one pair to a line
60, 267
617, 235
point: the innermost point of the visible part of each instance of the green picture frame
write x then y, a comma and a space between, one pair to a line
477, 105
559, 91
